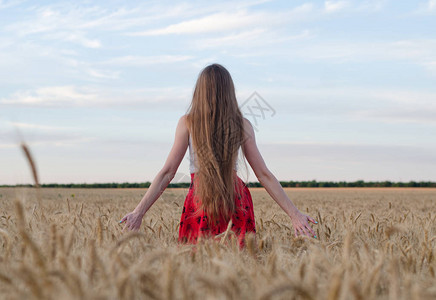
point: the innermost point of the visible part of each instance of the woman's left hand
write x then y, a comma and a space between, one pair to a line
133, 221
301, 225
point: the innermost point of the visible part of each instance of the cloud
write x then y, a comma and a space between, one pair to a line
426, 8
232, 39
75, 22
355, 152
371, 105
211, 23
230, 21
73, 96
339, 51
354, 6
11, 3
14, 133
23, 125
104, 74
430, 66
303, 9
335, 6
340, 161
256, 37
131, 60
52, 96
372, 5
8, 146
400, 106
82, 40
55, 139
399, 115
50, 26
420, 51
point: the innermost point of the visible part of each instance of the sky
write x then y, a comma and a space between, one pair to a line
96, 88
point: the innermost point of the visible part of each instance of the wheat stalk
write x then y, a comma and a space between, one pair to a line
31, 162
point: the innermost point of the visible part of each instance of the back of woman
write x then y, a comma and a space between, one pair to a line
216, 133
214, 130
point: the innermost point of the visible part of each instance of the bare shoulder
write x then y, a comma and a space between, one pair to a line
182, 125
183, 121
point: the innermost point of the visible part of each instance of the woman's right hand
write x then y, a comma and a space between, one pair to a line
301, 225
133, 221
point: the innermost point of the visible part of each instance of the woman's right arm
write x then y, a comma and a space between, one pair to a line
163, 178
300, 221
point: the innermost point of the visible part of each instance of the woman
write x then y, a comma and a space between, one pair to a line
214, 130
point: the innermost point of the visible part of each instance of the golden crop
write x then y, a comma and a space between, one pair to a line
68, 244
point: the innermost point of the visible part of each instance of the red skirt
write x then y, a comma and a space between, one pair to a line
194, 223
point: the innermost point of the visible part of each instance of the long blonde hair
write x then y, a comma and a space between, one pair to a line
215, 123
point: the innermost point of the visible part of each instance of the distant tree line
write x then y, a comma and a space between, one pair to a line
312, 183
358, 183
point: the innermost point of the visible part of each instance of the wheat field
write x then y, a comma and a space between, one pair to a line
68, 244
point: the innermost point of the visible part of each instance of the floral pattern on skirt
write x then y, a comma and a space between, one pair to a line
193, 222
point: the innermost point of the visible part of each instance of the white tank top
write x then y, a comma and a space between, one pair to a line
193, 163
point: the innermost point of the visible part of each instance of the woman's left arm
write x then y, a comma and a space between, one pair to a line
163, 178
